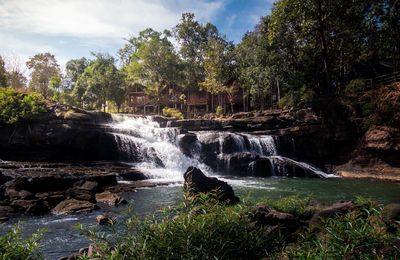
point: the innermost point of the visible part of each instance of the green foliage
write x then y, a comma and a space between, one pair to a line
298, 98
172, 112
14, 247
43, 67
355, 86
292, 204
354, 236
16, 107
219, 111
101, 82
203, 228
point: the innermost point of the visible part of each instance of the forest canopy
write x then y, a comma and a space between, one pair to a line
301, 52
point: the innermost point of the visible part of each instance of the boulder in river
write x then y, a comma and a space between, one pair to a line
196, 182
263, 216
105, 219
73, 206
109, 198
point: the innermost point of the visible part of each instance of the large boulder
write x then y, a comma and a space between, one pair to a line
73, 206
196, 182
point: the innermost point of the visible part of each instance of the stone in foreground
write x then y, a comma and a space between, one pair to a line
196, 182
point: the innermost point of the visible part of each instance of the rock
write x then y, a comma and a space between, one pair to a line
245, 164
77, 116
196, 182
391, 215
90, 186
338, 209
4, 219
4, 178
18, 183
79, 194
382, 138
105, 219
83, 251
73, 206
29, 206
186, 143
109, 198
263, 216
70, 257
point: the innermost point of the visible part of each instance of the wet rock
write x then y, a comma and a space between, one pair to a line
105, 219
109, 198
338, 209
264, 216
391, 216
186, 143
245, 164
196, 182
73, 206
132, 175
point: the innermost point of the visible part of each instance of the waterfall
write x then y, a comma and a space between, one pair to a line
156, 152
156, 149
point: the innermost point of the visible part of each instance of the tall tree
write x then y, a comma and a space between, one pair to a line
43, 67
15, 72
218, 71
101, 82
193, 37
153, 63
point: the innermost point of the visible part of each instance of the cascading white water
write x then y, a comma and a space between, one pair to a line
156, 148
155, 151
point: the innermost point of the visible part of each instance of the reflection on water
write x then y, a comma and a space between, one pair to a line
62, 239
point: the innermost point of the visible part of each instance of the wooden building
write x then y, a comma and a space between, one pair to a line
197, 102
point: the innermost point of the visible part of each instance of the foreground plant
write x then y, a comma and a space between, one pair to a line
204, 228
14, 247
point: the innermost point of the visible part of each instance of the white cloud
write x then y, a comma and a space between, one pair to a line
98, 18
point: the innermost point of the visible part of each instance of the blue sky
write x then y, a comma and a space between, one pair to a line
72, 29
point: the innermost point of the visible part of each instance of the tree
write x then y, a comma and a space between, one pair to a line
153, 63
3, 74
218, 71
73, 69
193, 37
43, 67
15, 72
101, 82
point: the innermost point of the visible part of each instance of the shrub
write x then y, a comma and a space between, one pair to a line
16, 107
219, 111
205, 230
355, 86
12, 246
357, 235
172, 112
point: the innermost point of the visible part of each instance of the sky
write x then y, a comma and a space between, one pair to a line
71, 29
